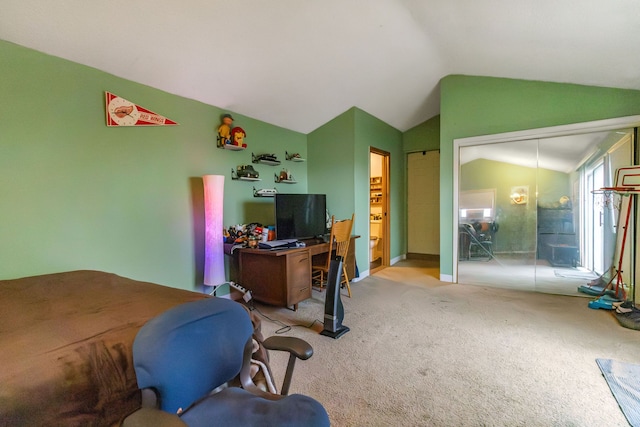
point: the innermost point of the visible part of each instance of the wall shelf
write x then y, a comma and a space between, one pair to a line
265, 159
294, 157
269, 162
235, 177
244, 178
284, 181
375, 191
232, 147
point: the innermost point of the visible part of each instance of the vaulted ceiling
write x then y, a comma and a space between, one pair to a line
298, 64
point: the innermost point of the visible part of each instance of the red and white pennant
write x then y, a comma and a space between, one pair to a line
121, 112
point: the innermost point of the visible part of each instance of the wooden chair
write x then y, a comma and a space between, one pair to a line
339, 241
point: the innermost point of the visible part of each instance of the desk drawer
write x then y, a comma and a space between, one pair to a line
298, 277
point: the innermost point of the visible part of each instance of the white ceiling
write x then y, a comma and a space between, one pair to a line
561, 153
298, 64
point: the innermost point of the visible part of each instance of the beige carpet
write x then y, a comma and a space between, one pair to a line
424, 353
525, 275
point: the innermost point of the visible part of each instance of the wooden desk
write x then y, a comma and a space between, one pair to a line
283, 277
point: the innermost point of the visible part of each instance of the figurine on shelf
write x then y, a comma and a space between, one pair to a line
284, 175
224, 130
237, 135
246, 171
265, 192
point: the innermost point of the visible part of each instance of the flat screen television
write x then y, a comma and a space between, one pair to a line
300, 216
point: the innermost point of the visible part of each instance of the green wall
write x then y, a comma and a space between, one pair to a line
79, 195
423, 137
517, 223
330, 164
473, 106
372, 132
76, 194
339, 167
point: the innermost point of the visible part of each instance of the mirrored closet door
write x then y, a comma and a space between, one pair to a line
528, 218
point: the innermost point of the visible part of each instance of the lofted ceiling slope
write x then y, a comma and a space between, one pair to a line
298, 64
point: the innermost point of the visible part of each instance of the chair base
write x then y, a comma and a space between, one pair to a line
335, 334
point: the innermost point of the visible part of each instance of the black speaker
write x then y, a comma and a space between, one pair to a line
333, 309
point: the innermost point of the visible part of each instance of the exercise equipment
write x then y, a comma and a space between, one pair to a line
627, 184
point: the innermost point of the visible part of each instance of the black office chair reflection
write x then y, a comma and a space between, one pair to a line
185, 359
476, 240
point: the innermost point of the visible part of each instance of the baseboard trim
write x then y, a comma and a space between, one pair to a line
446, 278
424, 257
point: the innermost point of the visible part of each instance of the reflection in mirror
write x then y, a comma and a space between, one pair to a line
528, 217
498, 248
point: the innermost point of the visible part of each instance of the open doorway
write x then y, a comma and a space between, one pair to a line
378, 209
543, 229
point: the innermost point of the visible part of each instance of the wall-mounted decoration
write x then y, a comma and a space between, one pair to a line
121, 112
224, 130
237, 137
293, 157
266, 159
230, 138
265, 192
245, 173
519, 195
284, 177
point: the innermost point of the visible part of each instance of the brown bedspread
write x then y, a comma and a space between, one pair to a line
65, 346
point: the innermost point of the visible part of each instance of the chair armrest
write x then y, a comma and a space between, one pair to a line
150, 398
245, 375
151, 417
295, 346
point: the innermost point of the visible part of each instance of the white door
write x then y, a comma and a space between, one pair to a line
594, 214
602, 210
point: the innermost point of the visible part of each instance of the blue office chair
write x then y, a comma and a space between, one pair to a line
186, 358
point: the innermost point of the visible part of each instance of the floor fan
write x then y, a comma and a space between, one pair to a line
333, 309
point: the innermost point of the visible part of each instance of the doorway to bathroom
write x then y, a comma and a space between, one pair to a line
378, 209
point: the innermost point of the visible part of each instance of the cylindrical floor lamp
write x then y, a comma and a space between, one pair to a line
214, 249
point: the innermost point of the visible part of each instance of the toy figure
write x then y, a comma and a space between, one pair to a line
245, 234
237, 135
224, 130
237, 234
